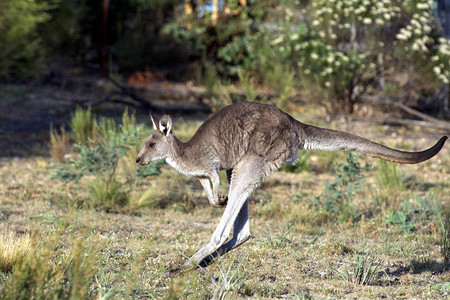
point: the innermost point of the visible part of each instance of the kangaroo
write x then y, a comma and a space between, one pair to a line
250, 141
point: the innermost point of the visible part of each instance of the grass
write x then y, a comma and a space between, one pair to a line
444, 222
59, 144
83, 126
106, 193
388, 177
364, 269
89, 253
14, 250
52, 271
229, 279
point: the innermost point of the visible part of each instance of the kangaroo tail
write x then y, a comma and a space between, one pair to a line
327, 139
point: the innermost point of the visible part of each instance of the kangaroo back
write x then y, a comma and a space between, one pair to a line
327, 139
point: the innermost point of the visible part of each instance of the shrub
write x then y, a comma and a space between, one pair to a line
337, 200
302, 163
343, 48
224, 45
22, 53
113, 182
411, 215
106, 193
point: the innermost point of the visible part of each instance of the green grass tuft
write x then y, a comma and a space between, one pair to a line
83, 126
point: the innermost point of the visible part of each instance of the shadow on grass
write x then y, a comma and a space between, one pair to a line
418, 267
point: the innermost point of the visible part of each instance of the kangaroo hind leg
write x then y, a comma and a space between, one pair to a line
247, 175
241, 227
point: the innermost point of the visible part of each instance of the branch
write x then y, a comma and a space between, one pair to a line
391, 120
429, 121
129, 91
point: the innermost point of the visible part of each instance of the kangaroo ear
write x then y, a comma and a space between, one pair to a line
165, 124
155, 122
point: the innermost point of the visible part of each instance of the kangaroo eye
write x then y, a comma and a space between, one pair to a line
152, 145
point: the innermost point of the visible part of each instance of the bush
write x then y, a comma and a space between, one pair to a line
63, 32
113, 182
302, 164
337, 200
344, 48
224, 45
408, 218
22, 53
106, 193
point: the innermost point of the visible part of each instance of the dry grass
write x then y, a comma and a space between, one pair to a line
13, 249
59, 144
293, 242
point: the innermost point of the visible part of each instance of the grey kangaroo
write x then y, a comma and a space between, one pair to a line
250, 141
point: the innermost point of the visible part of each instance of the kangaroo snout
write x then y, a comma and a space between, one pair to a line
141, 161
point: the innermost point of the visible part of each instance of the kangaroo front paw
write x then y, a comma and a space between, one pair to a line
223, 200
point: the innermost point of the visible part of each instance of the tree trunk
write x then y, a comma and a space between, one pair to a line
104, 48
188, 12
215, 12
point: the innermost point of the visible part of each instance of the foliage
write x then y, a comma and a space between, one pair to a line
441, 61
83, 126
224, 45
344, 46
302, 163
411, 214
65, 31
337, 200
286, 238
21, 51
101, 159
106, 193
248, 86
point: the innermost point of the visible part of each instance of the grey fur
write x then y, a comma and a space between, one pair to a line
250, 141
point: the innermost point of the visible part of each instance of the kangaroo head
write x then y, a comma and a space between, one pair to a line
157, 145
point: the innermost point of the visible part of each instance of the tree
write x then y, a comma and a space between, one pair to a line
21, 51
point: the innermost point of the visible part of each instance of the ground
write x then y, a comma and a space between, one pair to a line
298, 249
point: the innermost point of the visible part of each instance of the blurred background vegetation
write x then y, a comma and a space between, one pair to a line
334, 52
